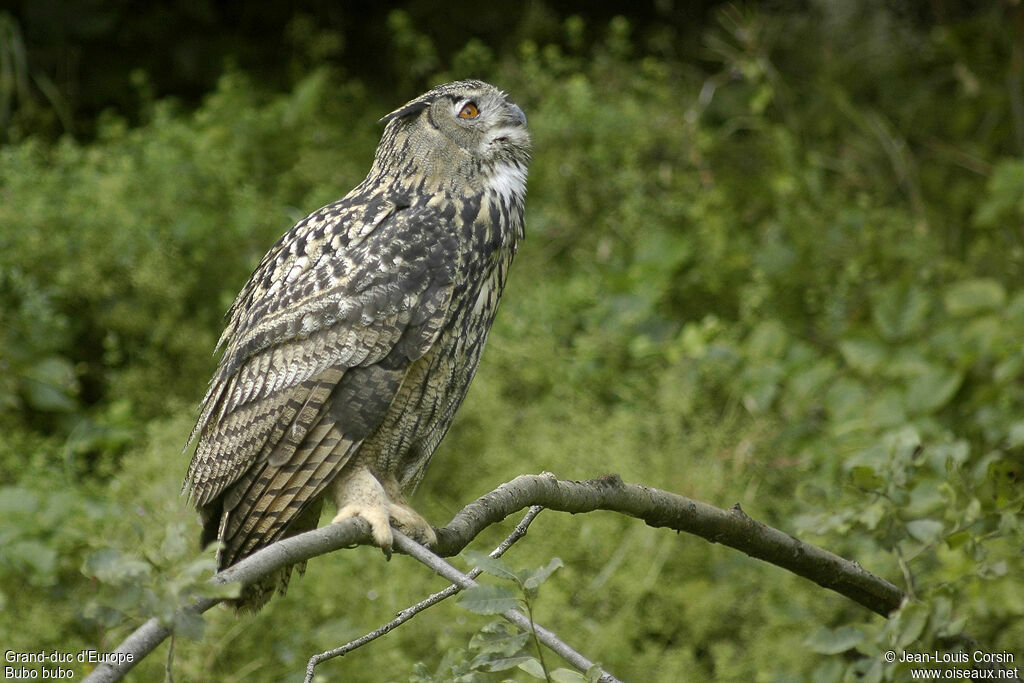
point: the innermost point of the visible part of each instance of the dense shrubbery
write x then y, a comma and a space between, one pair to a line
789, 277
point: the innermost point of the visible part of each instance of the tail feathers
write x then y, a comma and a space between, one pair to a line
255, 595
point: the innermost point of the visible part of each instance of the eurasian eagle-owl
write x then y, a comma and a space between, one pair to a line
354, 341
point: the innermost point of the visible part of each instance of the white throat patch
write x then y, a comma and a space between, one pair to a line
508, 182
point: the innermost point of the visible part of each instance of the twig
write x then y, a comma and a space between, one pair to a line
516, 534
168, 670
536, 641
411, 611
553, 642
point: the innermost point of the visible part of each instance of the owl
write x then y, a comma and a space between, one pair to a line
350, 348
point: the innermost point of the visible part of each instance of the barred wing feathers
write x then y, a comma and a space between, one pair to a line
315, 350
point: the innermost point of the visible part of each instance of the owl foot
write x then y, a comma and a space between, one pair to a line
360, 494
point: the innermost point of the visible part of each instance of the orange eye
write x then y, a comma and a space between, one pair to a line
469, 111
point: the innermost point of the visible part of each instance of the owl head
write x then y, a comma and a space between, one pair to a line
464, 123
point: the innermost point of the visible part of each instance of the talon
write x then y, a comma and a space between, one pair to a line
412, 524
380, 526
360, 494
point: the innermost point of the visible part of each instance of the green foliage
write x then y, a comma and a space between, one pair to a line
158, 583
500, 646
114, 256
787, 275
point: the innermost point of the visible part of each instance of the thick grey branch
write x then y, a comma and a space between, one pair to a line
657, 508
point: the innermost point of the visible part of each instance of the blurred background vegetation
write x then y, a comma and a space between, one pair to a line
774, 257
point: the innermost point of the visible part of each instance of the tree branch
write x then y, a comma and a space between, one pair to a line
655, 507
409, 612
659, 508
442, 568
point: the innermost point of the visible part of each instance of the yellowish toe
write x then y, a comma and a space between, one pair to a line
376, 515
412, 524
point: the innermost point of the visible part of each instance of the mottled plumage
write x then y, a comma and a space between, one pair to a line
352, 345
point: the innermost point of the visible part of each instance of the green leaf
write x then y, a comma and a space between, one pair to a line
906, 362
805, 387
951, 628
927, 499
113, 567
863, 355
189, 624
899, 310
769, 340
972, 296
174, 545
202, 567
539, 576
885, 409
828, 641
942, 616
17, 500
563, 675
872, 515
866, 478
925, 530
1004, 197
99, 561
933, 389
532, 666
910, 624
48, 397
993, 569
845, 400
487, 599
761, 385
499, 637
492, 565
32, 557
224, 591
502, 664
1015, 434
1008, 369
50, 384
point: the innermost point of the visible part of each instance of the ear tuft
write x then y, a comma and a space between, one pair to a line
407, 110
